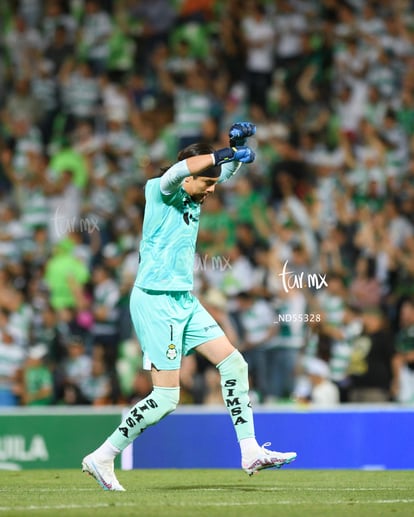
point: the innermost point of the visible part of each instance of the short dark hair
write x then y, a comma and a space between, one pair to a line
198, 149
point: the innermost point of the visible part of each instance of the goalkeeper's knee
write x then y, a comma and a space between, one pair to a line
234, 366
160, 403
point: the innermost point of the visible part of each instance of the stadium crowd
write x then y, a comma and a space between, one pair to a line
306, 261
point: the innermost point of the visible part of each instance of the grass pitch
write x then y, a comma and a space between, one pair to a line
209, 493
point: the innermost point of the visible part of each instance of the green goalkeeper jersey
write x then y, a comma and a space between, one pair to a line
170, 231
168, 240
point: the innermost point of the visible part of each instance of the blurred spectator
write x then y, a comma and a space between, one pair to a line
94, 33
141, 387
198, 10
65, 275
181, 60
265, 272
316, 387
370, 22
403, 363
258, 331
232, 276
59, 50
334, 343
232, 45
248, 240
282, 354
12, 233
121, 45
215, 219
36, 250
115, 100
247, 205
45, 90
96, 388
337, 251
20, 314
46, 330
28, 175
105, 331
79, 91
290, 25
365, 289
64, 205
259, 36
24, 43
375, 107
371, 360
351, 62
37, 380
332, 300
398, 227
57, 21
154, 21
75, 370
128, 366
213, 394
193, 101
31, 11
67, 158
349, 107
216, 303
12, 357
21, 106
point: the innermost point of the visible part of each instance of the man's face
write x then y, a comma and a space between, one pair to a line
199, 187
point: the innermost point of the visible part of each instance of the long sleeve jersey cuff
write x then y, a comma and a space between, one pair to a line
228, 170
171, 180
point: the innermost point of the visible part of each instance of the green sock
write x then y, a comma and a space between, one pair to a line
235, 388
158, 404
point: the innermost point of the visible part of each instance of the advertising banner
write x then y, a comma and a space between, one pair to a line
52, 439
349, 437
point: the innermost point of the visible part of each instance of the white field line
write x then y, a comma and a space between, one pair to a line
290, 502
221, 489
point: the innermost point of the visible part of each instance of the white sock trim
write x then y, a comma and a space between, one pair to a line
249, 447
107, 451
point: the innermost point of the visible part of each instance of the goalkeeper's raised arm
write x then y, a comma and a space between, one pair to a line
221, 164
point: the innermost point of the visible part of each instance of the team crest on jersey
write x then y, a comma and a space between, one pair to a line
171, 352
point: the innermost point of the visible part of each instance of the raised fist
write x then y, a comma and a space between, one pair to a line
239, 132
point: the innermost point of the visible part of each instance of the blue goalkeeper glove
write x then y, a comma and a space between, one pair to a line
244, 154
229, 154
239, 132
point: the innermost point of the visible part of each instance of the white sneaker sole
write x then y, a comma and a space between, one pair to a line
257, 466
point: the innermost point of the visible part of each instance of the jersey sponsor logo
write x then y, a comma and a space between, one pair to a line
206, 329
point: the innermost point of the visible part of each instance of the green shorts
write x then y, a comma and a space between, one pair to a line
169, 325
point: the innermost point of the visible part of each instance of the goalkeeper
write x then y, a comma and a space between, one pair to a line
169, 320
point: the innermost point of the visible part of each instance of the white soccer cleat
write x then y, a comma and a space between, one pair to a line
267, 459
103, 472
